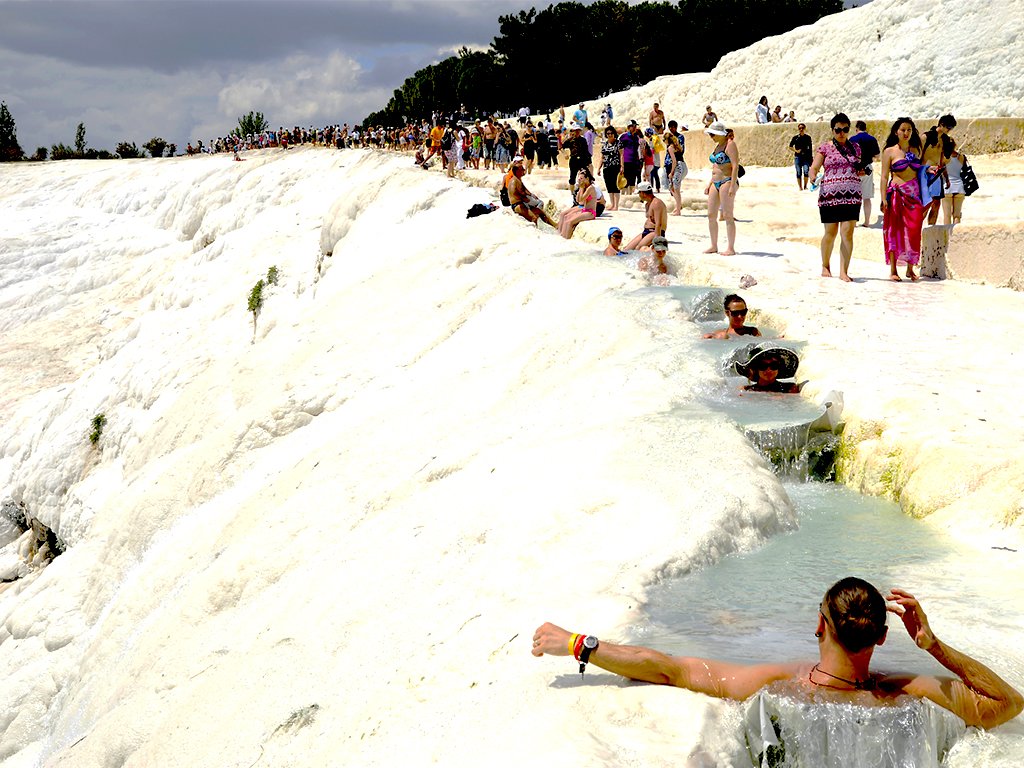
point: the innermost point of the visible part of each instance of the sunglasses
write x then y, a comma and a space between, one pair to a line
737, 312
768, 365
840, 129
616, 236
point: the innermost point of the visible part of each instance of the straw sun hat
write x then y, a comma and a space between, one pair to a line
747, 360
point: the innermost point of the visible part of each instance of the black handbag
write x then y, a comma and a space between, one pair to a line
967, 176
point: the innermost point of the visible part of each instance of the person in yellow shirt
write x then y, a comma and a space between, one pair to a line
436, 135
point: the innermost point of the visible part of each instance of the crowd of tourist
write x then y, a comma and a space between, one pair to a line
920, 175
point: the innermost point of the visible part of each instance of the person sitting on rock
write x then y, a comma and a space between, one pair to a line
736, 314
524, 202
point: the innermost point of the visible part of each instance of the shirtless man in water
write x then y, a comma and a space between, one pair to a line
851, 622
657, 217
736, 314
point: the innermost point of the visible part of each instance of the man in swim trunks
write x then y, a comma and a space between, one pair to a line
489, 131
850, 623
657, 217
527, 205
736, 314
656, 119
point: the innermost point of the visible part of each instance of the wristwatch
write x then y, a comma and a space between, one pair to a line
590, 644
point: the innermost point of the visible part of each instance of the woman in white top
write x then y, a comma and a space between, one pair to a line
761, 111
953, 202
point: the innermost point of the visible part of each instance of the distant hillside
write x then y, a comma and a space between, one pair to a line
882, 60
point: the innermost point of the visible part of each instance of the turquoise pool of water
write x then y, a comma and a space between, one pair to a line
762, 606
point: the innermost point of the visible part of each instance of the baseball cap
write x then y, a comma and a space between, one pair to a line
644, 186
660, 243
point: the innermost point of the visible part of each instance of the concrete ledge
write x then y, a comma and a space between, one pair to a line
768, 145
987, 254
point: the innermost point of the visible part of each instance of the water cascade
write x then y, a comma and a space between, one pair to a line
734, 610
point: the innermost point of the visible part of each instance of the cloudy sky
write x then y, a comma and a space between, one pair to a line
186, 69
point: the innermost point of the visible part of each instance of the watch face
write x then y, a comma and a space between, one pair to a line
590, 642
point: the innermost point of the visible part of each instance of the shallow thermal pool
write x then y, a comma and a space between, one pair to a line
762, 606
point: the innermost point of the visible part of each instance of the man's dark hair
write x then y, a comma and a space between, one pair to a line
861, 125
731, 298
856, 612
947, 121
673, 124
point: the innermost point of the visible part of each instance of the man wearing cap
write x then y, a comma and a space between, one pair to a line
803, 152
523, 202
654, 262
579, 154
614, 243
580, 116
657, 218
629, 143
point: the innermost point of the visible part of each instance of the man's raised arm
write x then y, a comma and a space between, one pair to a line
977, 694
707, 676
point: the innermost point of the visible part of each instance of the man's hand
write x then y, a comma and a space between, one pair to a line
551, 640
905, 605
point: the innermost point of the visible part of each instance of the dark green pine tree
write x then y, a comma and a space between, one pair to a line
10, 149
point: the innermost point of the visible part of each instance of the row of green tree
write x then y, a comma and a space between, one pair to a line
10, 150
572, 50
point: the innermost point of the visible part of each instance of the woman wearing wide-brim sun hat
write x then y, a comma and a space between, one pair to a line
764, 365
721, 190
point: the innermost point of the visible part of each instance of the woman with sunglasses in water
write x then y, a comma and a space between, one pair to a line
736, 314
839, 197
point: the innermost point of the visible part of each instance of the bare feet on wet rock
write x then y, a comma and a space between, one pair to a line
712, 249
845, 277
895, 278
728, 252
912, 276
826, 272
